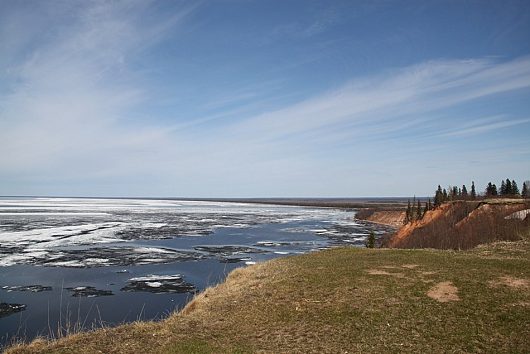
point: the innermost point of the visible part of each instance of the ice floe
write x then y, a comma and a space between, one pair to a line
159, 284
8, 309
72, 232
88, 291
30, 288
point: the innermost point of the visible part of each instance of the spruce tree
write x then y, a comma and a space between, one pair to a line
489, 189
426, 209
509, 190
494, 190
464, 192
438, 197
515, 188
407, 214
419, 213
473, 191
503, 188
524, 191
445, 196
370, 240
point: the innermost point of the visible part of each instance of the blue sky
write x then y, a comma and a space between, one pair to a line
242, 98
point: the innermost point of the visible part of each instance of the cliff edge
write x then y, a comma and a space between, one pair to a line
465, 224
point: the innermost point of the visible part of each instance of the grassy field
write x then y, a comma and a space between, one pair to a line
344, 300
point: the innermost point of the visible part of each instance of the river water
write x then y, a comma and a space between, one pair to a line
72, 262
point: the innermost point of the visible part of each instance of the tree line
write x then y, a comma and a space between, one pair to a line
509, 189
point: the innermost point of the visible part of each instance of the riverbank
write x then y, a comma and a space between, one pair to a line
344, 299
381, 203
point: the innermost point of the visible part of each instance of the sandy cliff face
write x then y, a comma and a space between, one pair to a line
463, 225
388, 217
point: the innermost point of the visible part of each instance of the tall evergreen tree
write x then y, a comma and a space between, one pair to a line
509, 190
503, 188
445, 195
489, 189
473, 190
464, 192
370, 240
438, 197
494, 191
426, 209
524, 191
419, 213
408, 213
515, 188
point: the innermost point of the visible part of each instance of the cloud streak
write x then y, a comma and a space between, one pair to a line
394, 98
76, 106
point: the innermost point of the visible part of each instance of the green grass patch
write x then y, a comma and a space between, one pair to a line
347, 299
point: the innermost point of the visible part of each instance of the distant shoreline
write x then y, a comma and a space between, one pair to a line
347, 203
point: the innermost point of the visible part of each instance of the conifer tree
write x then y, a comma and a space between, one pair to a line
408, 213
473, 190
509, 190
445, 196
426, 209
494, 190
503, 188
515, 188
464, 192
419, 213
370, 240
489, 189
524, 191
438, 197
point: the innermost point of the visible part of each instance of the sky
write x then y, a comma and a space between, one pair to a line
279, 98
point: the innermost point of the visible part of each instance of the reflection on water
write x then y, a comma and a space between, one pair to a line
88, 262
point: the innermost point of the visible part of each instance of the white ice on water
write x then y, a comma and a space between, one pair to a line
48, 224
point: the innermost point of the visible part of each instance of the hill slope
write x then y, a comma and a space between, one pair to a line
345, 299
463, 225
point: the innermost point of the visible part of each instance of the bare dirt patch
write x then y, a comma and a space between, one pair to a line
516, 283
388, 217
410, 266
384, 272
444, 292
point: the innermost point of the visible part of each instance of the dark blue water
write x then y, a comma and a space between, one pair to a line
259, 233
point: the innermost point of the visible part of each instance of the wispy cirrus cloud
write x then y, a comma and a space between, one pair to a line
485, 125
70, 91
393, 99
77, 103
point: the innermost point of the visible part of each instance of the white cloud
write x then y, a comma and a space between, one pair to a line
68, 98
394, 97
69, 93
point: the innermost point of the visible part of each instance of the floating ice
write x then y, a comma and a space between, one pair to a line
31, 288
159, 284
8, 309
88, 291
69, 232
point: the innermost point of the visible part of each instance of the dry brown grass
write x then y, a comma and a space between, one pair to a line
354, 300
